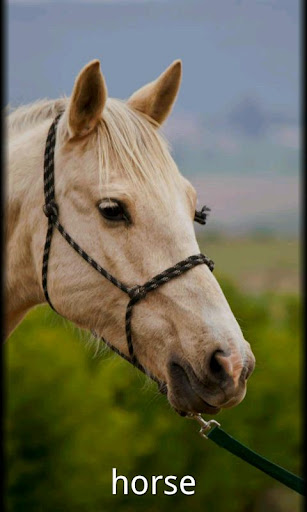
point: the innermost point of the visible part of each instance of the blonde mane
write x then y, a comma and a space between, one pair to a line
26, 116
125, 140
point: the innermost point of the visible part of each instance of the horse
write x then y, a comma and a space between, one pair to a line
123, 199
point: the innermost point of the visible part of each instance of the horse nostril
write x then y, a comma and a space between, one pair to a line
214, 365
224, 367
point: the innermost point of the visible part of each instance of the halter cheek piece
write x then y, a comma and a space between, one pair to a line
135, 293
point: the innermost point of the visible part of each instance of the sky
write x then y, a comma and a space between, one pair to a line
238, 110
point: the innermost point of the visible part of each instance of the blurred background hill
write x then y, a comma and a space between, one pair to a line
73, 410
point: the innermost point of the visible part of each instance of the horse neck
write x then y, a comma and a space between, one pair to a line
23, 221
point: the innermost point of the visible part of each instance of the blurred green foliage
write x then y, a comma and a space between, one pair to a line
72, 415
265, 262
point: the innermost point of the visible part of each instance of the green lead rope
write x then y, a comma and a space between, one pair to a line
221, 438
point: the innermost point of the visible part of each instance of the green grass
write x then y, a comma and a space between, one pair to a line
256, 264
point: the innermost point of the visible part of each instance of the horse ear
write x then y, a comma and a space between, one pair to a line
87, 100
156, 99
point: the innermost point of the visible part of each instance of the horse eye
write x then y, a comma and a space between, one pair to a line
112, 210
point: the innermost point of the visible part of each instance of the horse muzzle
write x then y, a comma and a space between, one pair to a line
222, 385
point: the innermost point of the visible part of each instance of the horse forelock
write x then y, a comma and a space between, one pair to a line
132, 143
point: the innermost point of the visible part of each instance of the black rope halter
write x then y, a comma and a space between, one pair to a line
135, 293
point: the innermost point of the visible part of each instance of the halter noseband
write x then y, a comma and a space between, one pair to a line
135, 293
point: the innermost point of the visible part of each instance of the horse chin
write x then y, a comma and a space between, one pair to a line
196, 405
190, 403
236, 400
187, 401
188, 396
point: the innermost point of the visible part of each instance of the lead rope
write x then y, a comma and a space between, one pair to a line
211, 430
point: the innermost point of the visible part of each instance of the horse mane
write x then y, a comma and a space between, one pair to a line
25, 116
125, 138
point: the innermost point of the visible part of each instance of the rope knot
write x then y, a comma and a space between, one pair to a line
51, 210
137, 292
